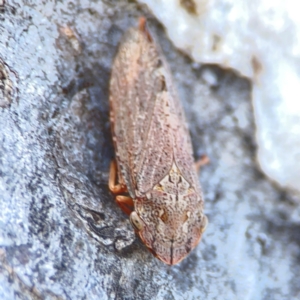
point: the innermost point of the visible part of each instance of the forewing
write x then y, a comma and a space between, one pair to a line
182, 148
157, 156
183, 156
136, 90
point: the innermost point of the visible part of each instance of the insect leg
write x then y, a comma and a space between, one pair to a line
125, 203
115, 188
142, 28
204, 160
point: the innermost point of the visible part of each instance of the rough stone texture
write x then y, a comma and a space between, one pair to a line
61, 234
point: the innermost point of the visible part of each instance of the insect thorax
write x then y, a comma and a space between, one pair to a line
170, 203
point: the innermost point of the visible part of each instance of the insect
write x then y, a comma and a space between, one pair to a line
154, 176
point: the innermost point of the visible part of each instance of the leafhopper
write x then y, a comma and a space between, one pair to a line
153, 176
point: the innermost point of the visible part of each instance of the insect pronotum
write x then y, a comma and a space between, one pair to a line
154, 176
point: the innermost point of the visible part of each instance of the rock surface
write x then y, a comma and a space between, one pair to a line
259, 39
61, 234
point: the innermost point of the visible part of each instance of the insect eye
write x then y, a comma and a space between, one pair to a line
136, 221
204, 223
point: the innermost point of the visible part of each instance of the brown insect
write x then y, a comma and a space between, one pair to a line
157, 180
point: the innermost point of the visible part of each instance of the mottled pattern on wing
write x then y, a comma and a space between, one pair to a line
153, 149
135, 89
183, 151
184, 157
158, 150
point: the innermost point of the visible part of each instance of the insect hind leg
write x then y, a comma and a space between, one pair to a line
125, 202
115, 188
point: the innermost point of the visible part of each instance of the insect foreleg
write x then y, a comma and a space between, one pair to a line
125, 203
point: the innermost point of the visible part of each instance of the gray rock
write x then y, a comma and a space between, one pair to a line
61, 234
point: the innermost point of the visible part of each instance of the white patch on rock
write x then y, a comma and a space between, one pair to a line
260, 39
